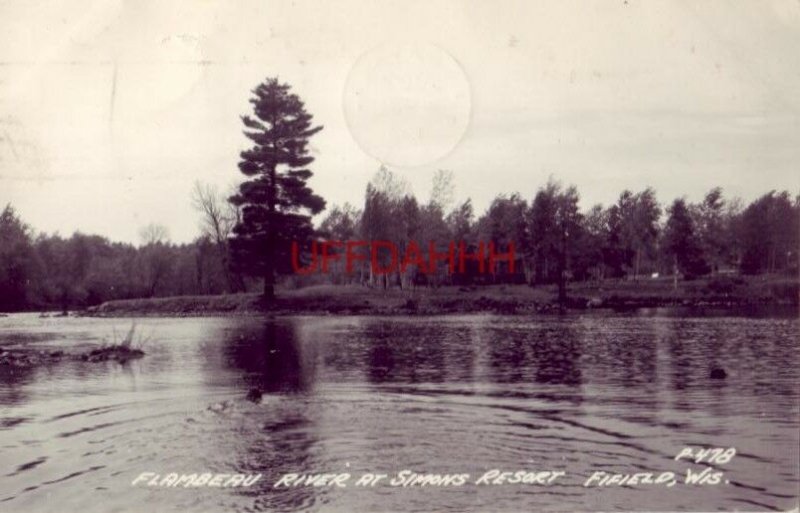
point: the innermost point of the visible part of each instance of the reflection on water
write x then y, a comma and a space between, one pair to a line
620, 393
268, 356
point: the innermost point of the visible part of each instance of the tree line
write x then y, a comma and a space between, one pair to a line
41, 271
634, 237
556, 241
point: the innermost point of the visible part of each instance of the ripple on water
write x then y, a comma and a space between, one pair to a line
466, 394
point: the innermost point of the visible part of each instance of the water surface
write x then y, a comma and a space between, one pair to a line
578, 393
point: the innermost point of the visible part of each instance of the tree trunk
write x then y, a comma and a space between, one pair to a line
562, 271
269, 278
232, 280
198, 262
269, 271
269, 288
674, 272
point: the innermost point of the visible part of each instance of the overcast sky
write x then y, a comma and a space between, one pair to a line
110, 110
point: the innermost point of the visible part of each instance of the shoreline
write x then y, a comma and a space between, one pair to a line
453, 300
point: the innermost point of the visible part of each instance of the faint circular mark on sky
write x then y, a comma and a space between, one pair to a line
407, 104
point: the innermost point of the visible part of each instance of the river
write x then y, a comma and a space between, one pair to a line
578, 393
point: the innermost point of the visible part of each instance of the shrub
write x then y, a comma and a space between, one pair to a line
723, 284
786, 291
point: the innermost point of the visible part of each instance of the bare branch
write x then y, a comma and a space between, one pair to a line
219, 216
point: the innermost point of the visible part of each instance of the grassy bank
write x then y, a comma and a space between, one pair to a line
507, 299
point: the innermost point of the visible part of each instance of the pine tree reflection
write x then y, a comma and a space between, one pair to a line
270, 357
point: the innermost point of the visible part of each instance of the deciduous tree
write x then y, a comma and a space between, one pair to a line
682, 243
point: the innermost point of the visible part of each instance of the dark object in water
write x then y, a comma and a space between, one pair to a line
23, 359
119, 353
254, 395
718, 373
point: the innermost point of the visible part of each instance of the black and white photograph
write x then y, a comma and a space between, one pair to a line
399, 256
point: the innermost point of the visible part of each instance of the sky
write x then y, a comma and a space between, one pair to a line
111, 110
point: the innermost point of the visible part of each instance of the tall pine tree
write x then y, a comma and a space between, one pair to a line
276, 204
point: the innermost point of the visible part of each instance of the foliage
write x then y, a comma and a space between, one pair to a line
276, 203
218, 218
555, 242
17, 261
638, 225
682, 243
770, 234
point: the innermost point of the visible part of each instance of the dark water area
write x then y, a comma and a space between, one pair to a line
579, 393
